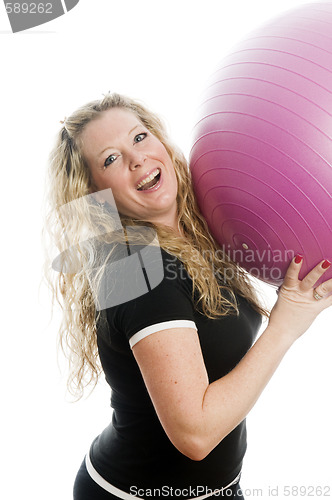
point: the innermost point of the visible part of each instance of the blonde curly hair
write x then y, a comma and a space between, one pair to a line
68, 179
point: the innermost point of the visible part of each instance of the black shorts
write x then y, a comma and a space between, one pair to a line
85, 488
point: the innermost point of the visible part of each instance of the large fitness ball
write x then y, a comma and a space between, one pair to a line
261, 160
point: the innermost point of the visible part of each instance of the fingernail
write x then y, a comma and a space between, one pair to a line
298, 258
326, 264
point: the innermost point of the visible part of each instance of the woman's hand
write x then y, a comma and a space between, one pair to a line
297, 307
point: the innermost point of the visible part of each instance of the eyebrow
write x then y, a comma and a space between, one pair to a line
112, 147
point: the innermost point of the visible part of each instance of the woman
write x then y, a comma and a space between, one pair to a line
181, 358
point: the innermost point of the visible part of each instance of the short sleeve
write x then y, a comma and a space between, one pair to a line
168, 305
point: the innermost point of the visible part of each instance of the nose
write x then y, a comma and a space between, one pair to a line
136, 159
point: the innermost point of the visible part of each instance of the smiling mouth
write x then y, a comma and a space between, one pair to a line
150, 182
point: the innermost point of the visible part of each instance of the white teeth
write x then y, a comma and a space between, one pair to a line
148, 179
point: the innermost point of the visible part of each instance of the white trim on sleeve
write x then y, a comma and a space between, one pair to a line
165, 325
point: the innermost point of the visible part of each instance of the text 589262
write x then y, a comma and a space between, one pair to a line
29, 8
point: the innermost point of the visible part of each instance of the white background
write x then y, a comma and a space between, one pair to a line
161, 53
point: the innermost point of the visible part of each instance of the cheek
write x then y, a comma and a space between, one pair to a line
114, 180
174, 176
160, 150
167, 161
121, 191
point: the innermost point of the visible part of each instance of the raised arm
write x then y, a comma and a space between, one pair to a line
197, 415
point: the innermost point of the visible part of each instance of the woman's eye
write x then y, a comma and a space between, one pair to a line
109, 160
140, 137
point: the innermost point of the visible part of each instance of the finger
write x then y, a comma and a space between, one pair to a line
292, 274
313, 276
324, 288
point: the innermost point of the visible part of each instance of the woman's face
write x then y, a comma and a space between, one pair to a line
123, 155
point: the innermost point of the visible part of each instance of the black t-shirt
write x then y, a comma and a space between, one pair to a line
134, 450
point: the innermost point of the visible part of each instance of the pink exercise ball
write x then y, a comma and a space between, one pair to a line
261, 159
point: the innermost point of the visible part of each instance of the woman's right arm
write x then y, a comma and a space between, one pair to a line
197, 415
